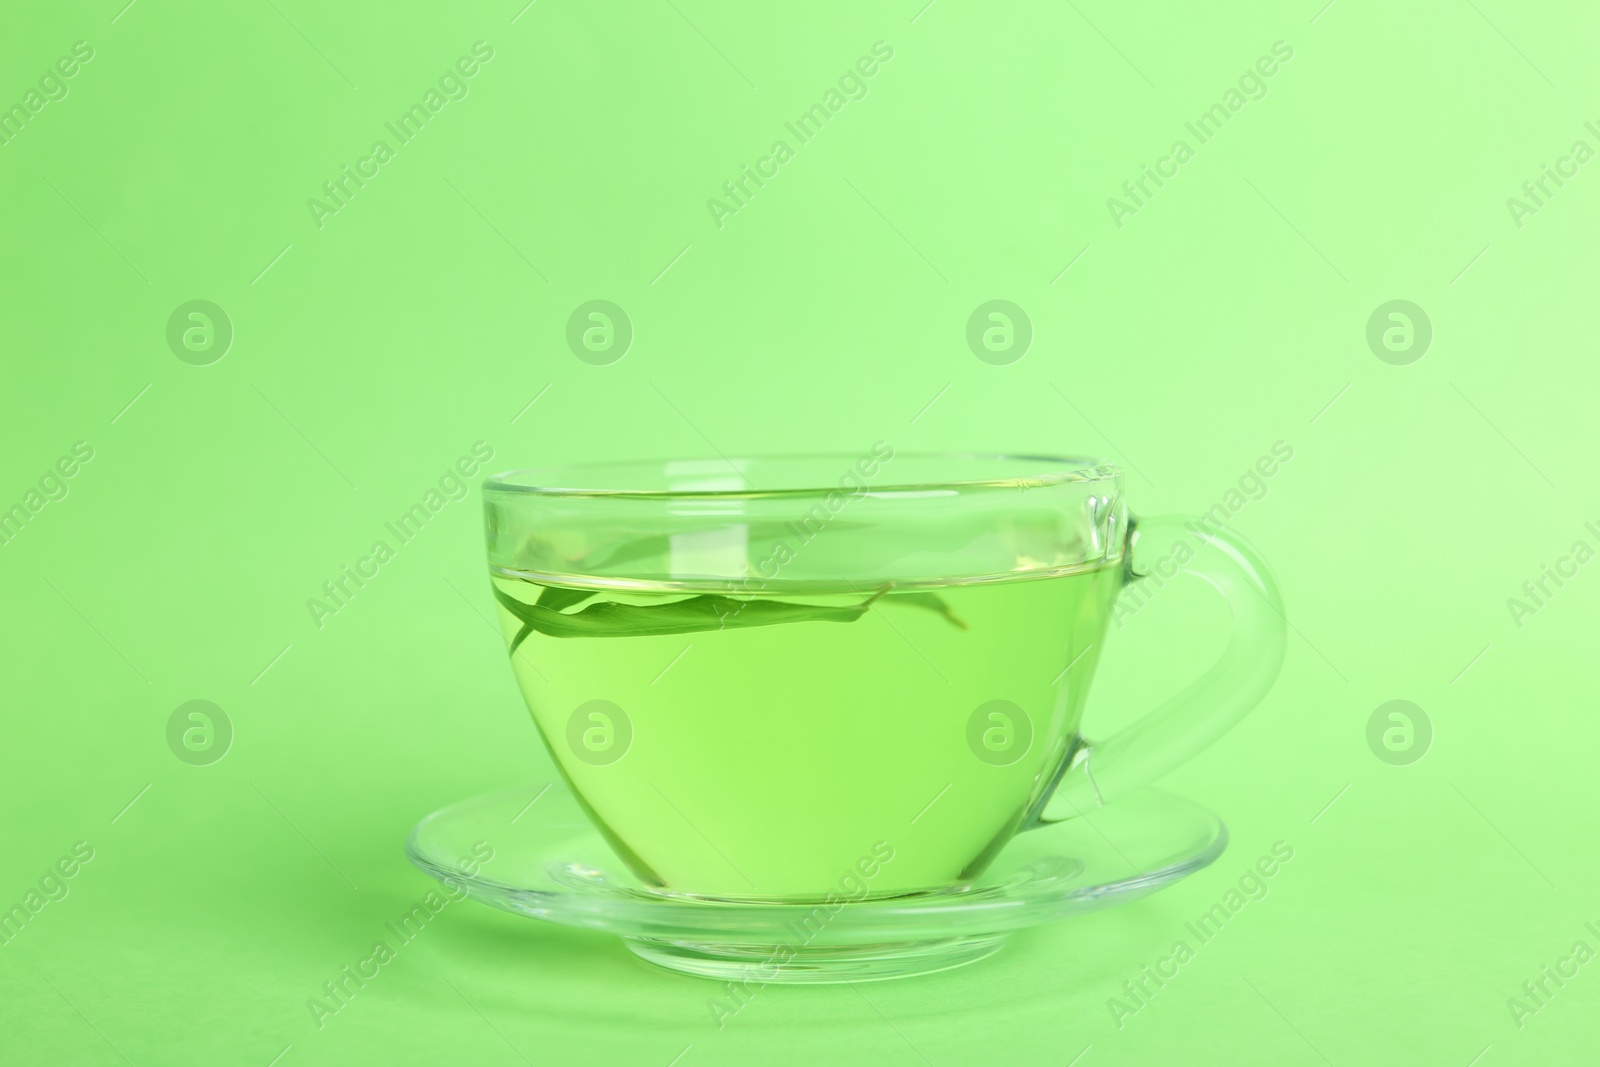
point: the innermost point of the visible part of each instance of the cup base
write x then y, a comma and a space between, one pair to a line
531, 850
764, 964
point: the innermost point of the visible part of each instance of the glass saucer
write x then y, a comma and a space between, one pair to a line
549, 862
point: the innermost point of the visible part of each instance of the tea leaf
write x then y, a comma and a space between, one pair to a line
931, 601
691, 615
522, 635
554, 597
558, 597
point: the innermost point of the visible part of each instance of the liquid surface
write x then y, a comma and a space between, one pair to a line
788, 747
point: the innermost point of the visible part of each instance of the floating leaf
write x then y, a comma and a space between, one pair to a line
554, 597
559, 597
522, 635
931, 601
691, 615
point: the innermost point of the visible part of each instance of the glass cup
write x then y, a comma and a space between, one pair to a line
826, 677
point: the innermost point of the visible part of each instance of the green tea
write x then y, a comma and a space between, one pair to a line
763, 746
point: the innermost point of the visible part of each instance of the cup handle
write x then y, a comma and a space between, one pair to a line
1158, 550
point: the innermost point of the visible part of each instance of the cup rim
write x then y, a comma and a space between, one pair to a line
1045, 470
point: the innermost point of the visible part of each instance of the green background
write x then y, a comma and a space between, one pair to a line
1229, 313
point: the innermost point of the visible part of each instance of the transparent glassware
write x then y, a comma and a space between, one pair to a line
792, 681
